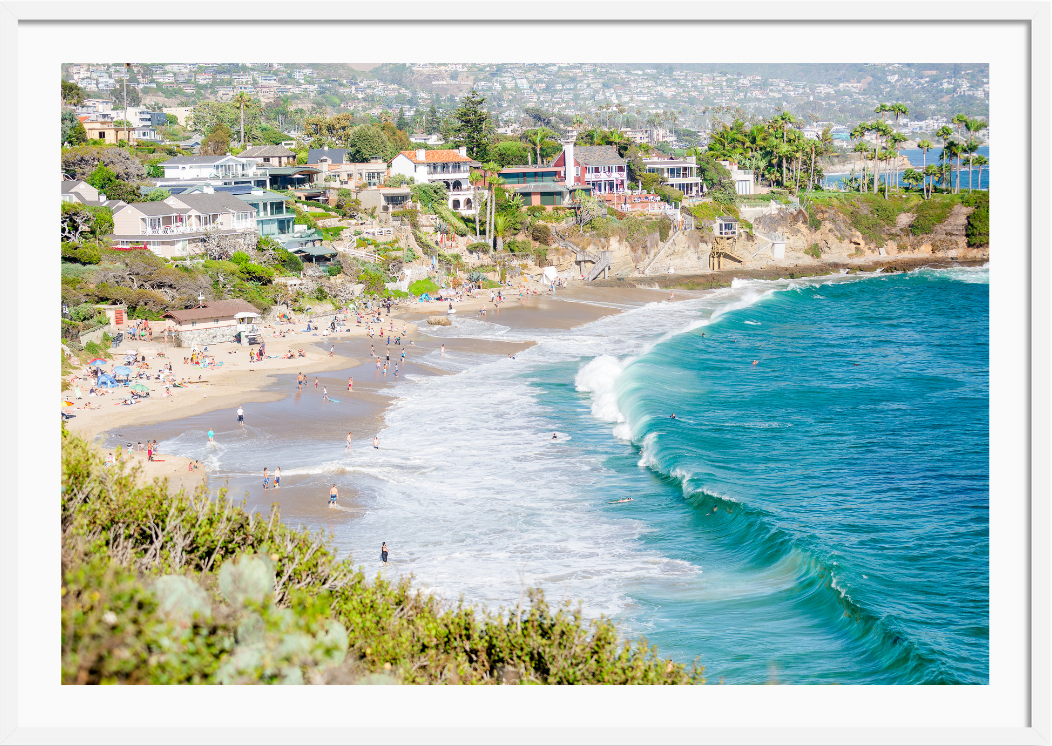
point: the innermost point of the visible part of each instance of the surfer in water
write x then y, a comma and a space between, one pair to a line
383, 552
555, 436
333, 494
672, 416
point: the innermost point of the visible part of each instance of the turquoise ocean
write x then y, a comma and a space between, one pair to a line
820, 516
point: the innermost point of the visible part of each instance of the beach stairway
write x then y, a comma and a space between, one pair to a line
652, 262
605, 260
725, 248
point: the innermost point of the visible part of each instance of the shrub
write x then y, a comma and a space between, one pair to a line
240, 258
540, 255
83, 312
426, 285
81, 254
257, 273
977, 230
814, 250
289, 261
333, 270
542, 233
479, 247
518, 247
664, 228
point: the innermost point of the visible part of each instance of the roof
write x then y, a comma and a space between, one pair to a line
289, 170
541, 186
195, 160
315, 250
598, 155
265, 197
213, 310
336, 155
267, 151
437, 156
220, 201
68, 185
158, 208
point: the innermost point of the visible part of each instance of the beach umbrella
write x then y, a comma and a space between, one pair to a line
122, 370
139, 387
98, 363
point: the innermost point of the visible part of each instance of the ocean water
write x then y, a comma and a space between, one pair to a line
818, 517
918, 161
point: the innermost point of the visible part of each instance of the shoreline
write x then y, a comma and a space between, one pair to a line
228, 387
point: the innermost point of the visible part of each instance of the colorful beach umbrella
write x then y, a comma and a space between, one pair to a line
98, 362
139, 387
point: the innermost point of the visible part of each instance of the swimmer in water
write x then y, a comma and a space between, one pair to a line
555, 436
376, 442
625, 500
672, 416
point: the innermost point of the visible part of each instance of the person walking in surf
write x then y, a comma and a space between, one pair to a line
266, 479
333, 494
383, 553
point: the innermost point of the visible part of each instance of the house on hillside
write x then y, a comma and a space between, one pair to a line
451, 167
181, 224
338, 172
186, 167
269, 155
678, 173
76, 190
598, 167
385, 199
211, 323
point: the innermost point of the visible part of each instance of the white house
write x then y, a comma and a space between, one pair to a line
186, 167
452, 167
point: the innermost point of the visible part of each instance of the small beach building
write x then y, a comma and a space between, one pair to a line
211, 323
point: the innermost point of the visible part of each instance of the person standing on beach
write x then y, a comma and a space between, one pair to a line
324, 394
266, 479
348, 440
443, 349
332, 350
277, 477
211, 436
315, 383
383, 553
350, 383
333, 494
240, 415
376, 442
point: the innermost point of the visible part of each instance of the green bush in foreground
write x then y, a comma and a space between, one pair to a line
425, 285
161, 588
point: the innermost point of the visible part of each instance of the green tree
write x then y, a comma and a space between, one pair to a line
980, 161
73, 132
432, 121
156, 195
912, 178
366, 141
538, 138
509, 153
217, 142
924, 146
72, 94
241, 100
402, 123
472, 127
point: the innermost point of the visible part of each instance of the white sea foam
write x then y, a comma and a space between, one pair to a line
599, 378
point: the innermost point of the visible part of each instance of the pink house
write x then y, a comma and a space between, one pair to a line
599, 167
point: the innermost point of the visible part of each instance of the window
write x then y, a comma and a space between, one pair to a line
217, 321
577, 171
266, 160
102, 135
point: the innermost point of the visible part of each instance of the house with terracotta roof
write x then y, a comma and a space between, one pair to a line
337, 171
451, 167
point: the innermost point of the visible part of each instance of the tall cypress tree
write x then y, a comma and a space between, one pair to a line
402, 123
473, 126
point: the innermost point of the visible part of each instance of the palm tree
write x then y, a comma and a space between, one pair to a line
973, 126
980, 161
476, 178
896, 139
538, 138
242, 100
858, 134
944, 133
881, 129
954, 149
925, 146
932, 173
491, 169
912, 178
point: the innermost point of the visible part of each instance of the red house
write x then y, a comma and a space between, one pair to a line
598, 167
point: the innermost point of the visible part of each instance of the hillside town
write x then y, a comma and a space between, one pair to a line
242, 195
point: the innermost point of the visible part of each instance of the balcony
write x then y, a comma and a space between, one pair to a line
458, 174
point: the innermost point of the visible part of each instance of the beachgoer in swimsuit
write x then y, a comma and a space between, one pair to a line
376, 442
383, 552
266, 479
240, 415
348, 440
333, 494
211, 436
277, 477
350, 383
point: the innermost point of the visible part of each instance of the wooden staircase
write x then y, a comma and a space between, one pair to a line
605, 261
725, 248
